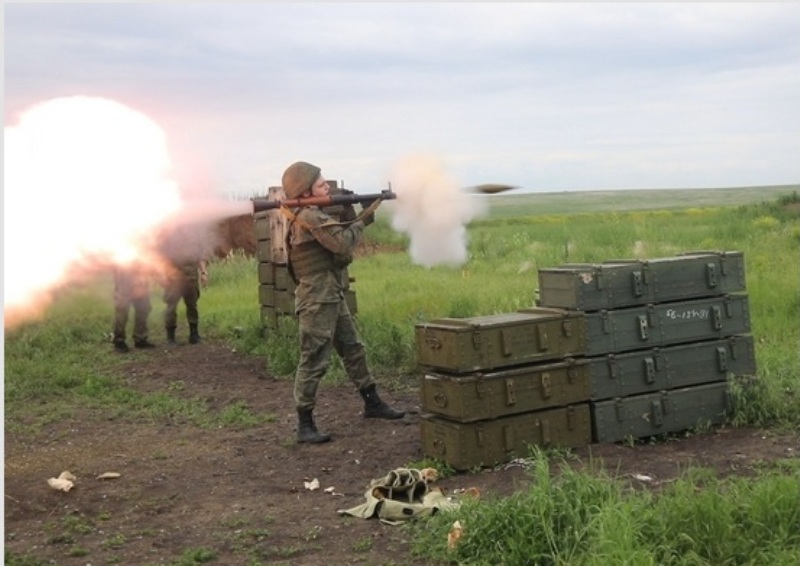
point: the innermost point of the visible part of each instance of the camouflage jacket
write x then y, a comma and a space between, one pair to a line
313, 224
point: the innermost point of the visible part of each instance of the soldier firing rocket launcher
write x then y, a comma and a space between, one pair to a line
260, 205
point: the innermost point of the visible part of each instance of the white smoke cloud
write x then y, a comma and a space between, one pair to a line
433, 210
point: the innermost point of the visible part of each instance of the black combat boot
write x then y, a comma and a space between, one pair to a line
121, 346
144, 343
375, 408
171, 334
307, 430
194, 336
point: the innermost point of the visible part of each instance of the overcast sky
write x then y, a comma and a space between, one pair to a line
546, 96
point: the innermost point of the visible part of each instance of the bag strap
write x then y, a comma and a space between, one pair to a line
288, 213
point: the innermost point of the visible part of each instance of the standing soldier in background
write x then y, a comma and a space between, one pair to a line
186, 270
320, 247
131, 289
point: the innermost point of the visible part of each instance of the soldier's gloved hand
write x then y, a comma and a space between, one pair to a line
348, 213
369, 218
365, 204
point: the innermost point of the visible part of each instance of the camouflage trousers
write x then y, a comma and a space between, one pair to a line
185, 289
324, 327
141, 310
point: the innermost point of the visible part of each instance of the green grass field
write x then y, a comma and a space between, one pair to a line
523, 204
567, 518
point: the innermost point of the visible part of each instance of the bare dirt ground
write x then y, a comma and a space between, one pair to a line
240, 493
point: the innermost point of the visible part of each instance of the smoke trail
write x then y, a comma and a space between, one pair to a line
433, 211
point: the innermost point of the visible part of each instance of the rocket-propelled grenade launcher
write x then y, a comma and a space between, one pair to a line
260, 205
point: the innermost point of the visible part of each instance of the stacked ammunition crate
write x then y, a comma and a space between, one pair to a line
618, 350
275, 284
492, 386
662, 338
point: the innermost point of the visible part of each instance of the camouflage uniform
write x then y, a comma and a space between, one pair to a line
182, 282
325, 322
131, 289
320, 247
185, 272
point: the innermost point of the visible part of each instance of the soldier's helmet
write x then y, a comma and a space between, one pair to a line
298, 178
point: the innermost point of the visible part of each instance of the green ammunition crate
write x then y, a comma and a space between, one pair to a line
261, 227
266, 295
271, 273
283, 279
269, 318
481, 396
460, 345
464, 446
263, 250
279, 299
266, 272
664, 324
676, 410
623, 283
647, 371
282, 300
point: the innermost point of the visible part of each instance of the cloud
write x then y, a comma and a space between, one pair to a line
494, 88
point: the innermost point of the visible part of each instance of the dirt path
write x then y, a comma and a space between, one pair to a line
241, 494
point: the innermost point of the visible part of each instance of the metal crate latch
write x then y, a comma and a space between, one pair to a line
649, 370
711, 275
505, 339
547, 436
476, 339
716, 317
480, 387
547, 389
638, 283
541, 334
511, 395
643, 326
656, 414
572, 420
722, 359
